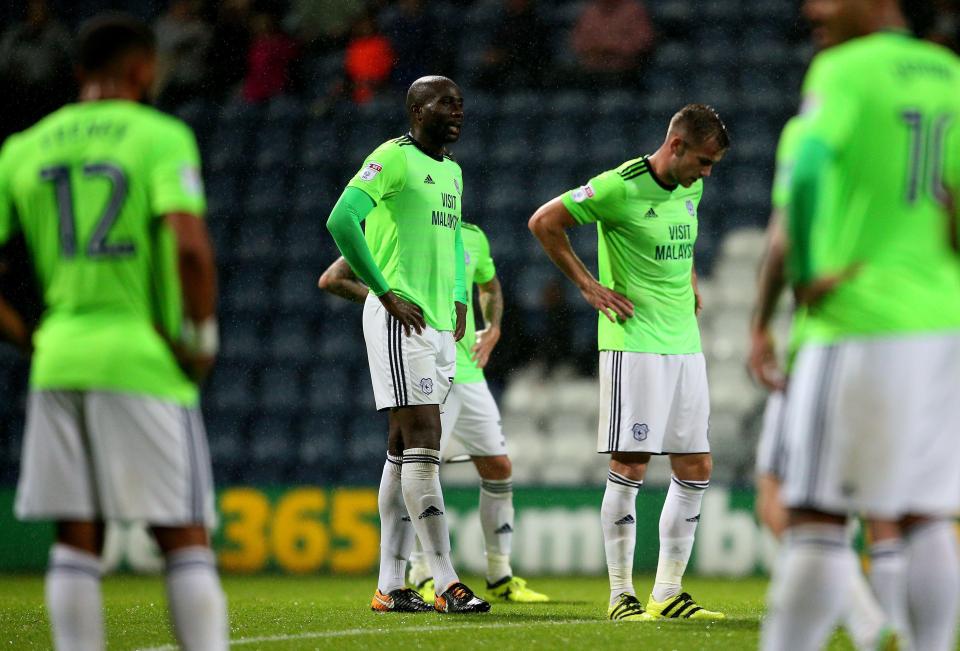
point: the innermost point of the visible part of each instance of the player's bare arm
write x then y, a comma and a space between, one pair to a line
549, 225
697, 299
771, 281
461, 327
198, 280
491, 305
339, 280
13, 327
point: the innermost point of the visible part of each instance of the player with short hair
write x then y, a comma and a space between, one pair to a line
108, 195
871, 417
471, 416
411, 257
653, 381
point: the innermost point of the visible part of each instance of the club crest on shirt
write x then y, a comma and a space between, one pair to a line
640, 431
582, 193
691, 209
466, 257
426, 386
370, 171
456, 184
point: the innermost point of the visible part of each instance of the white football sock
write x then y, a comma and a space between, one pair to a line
419, 570
933, 585
864, 619
888, 577
496, 520
396, 532
74, 602
810, 588
618, 520
420, 478
198, 607
678, 524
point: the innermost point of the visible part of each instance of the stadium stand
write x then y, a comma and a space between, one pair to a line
290, 398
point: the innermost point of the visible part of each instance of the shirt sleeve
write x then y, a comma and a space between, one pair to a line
176, 184
831, 102
785, 161
384, 173
597, 201
485, 270
8, 220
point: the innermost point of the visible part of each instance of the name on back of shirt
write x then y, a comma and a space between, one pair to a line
85, 129
443, 218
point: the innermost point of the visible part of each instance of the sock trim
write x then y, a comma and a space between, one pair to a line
617, 478
397, 461
690, 483
75, 569
497, 486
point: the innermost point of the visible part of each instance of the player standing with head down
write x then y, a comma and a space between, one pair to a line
653, 381
412, 259
872, 415
471, 416
107, 193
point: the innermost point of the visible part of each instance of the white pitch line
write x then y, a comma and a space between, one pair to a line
355, 632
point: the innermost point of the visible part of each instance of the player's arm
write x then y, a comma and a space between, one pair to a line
340, 280
697, 299
344, 225
491, 306
459, 284
198, 284
549, 225
771, 281
13, 327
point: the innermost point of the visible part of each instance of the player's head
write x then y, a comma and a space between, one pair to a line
836, 21
116, 56
696, 140
435, 108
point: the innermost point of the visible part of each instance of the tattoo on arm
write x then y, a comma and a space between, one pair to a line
491, 302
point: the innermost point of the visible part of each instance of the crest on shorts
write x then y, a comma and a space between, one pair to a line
640, 431
426, 386
691, 209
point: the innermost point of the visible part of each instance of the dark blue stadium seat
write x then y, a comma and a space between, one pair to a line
280, 391
274, 149
227, 149
292, 340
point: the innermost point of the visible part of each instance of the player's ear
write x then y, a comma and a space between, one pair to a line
677, 145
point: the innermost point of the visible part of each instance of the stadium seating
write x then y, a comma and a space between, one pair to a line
291, 398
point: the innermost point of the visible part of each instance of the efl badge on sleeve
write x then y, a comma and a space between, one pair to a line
370, 171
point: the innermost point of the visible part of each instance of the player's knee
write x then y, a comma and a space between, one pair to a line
497, 467
171, 539
85, 536
693, 467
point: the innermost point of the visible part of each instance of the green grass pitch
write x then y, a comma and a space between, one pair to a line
280, 613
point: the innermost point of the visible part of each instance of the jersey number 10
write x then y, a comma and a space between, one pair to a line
98, 247
927, 151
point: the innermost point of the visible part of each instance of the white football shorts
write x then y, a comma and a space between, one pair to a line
405, 371
873, 426
101, 455
771, 448
653, 403
471, 416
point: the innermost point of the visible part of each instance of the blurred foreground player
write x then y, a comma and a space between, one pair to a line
653, 378
107, 194
872, 415
471, 416
411, 257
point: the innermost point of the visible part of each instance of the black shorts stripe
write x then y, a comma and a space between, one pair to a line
779, 465
619, 406
822, 405
195, 496
613, 398
403, 371
394, 379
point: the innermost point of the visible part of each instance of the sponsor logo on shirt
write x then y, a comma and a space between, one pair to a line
370, 171
651, 214
190, 180
582, 193
429, 180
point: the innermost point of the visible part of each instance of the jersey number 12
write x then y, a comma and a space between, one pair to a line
98, 247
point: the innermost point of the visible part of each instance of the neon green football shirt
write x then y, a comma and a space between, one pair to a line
480, 269
412, 227
646, 231
887, 107
88, 187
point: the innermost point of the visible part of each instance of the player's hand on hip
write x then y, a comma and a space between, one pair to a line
486, 341
762, 362
408, 314
461, 326
697, 303
613, 305
814, 291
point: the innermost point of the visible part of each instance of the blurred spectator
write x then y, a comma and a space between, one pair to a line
270, 60
519, 54
183, 40
36, 73
415, 37
369, 59
229, 45
611, 38
323, 25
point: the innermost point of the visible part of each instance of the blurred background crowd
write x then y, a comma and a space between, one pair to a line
286, 99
